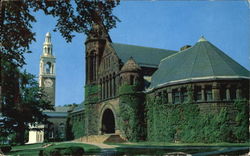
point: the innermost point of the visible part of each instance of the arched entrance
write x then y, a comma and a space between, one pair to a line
108, 122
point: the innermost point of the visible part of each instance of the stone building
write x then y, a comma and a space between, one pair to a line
214, 78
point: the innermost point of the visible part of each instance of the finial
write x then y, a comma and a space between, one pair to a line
48, 34
202, 39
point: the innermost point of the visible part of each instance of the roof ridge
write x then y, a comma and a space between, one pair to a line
191, 73
209, 58
223, 57
178, 52
143, 46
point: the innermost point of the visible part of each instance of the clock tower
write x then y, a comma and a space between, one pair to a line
47, 76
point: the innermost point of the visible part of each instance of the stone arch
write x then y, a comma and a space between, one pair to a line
108, 119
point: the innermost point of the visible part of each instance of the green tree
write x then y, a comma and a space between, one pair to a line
16, 35
23, 104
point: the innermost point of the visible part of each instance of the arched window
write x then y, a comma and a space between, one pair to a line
91, 72
110, 86
114, 84
100, 82
47, 68
132, 77
48, 50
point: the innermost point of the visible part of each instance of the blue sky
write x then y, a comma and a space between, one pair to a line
159, 24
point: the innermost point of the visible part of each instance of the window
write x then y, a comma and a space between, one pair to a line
132, 79
165, 97
159, 97
223, 95
176, 96
197, 93
91, 72
48, 50
114, 85
184, 95
100, 82
208, 93
233, 92
47, 68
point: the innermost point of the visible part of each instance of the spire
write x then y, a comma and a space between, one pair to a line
47, 38
47, 45
202, 39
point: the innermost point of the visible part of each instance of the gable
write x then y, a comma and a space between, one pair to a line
109, 61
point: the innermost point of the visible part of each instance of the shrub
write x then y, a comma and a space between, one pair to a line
60, 151
5, 148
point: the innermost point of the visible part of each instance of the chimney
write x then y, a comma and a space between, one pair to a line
185, 47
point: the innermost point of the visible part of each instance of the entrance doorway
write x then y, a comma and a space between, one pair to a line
108, 122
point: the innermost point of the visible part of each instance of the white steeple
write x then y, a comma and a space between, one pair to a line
47, 45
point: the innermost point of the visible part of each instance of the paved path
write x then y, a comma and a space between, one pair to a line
101, 145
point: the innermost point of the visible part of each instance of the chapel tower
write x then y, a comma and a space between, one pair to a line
94, 50
47, 76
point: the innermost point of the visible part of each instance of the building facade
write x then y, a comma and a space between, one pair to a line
120, 78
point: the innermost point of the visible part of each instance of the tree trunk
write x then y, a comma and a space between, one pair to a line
20, 133
1, 53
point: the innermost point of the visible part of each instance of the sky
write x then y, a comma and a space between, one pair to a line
159, 24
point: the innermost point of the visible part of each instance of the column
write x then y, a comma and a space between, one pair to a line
215, 92
238, 93
169, 94
227, 93
202, 93
190, 93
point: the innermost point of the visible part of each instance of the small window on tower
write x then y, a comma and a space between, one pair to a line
47, 68
132, 77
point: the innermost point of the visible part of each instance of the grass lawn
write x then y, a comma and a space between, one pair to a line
33, 149
181, 144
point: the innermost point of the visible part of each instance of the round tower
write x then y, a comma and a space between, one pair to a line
130, 73
131, 102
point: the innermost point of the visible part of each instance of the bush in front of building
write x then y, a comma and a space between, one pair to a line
60, 151
5, 148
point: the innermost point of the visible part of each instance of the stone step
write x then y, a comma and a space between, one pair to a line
114, 139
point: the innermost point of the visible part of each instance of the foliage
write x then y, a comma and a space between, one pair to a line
76, 128
16, 35
58, 151
91, 92
22, 104
33, 149
241, 120
132, 113
91, 118
186, 123
5, 148
72, 16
